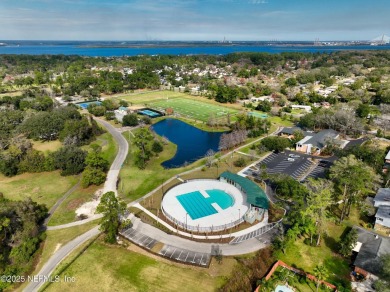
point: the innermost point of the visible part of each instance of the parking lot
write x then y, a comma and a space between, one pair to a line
185, 256
297, 165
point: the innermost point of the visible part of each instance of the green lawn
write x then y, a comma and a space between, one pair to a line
65, 213
150, 96
305, 257
44, 188
193, 108
136, 183
112, 268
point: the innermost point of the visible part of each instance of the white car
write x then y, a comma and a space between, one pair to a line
290, 159
294, 155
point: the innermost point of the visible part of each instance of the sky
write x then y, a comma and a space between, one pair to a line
203, 20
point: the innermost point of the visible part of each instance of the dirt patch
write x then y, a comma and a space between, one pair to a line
74, 204
57, 247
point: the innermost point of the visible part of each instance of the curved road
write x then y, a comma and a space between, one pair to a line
109, 185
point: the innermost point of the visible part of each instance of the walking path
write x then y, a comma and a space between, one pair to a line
245, 247
186, 234
59, 202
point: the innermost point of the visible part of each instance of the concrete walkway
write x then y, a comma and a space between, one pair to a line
182, 233
245, 247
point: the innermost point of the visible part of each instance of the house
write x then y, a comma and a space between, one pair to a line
288, 132
369, 248
386, 165
304, 107
382, 216
263, 98
314, 143
382, 197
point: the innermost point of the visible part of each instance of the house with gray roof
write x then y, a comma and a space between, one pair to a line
369, 248
382, 197
289, 131
382, 216
313, 144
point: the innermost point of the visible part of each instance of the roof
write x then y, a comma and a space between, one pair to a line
383, 194
388, 155
319, 139
255, 194
291, 130
372, 247
383, 212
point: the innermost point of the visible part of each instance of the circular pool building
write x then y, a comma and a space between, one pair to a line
210, 205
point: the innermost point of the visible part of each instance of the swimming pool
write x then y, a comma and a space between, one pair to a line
199, 206
224, 205
84, 105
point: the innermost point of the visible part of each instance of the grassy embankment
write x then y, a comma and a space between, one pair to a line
136, 270
44, 188
65, 213
136, 183
55, 239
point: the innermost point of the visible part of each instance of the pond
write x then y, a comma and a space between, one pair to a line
192, 143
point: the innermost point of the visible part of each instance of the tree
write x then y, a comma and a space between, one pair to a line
209, 157
130, 120
353, 180
348, 242
92, 176
113, 211
321, 274
277, 144
142, 139
363, 110
157, 147
318, 200
298, 136
96, 160
70, 159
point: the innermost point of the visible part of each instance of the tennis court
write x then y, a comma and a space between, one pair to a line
149, 113
192, 108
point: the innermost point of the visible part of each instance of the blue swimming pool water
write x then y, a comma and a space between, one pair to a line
197, 206
85, 105
221, 198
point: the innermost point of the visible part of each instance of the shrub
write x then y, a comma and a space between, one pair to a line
240, 162
130, 120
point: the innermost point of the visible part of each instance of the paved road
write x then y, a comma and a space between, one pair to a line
110, 185
59, 202
123, 149
57, 258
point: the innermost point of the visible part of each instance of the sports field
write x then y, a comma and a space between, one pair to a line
193, 108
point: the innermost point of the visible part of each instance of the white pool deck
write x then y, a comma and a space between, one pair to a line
173, 208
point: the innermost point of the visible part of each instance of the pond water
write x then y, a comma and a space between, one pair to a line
192, 143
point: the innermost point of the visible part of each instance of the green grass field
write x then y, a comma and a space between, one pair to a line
44, 188
112, 268
150, 96
192, 108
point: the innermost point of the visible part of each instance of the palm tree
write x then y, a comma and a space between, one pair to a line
321, 274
